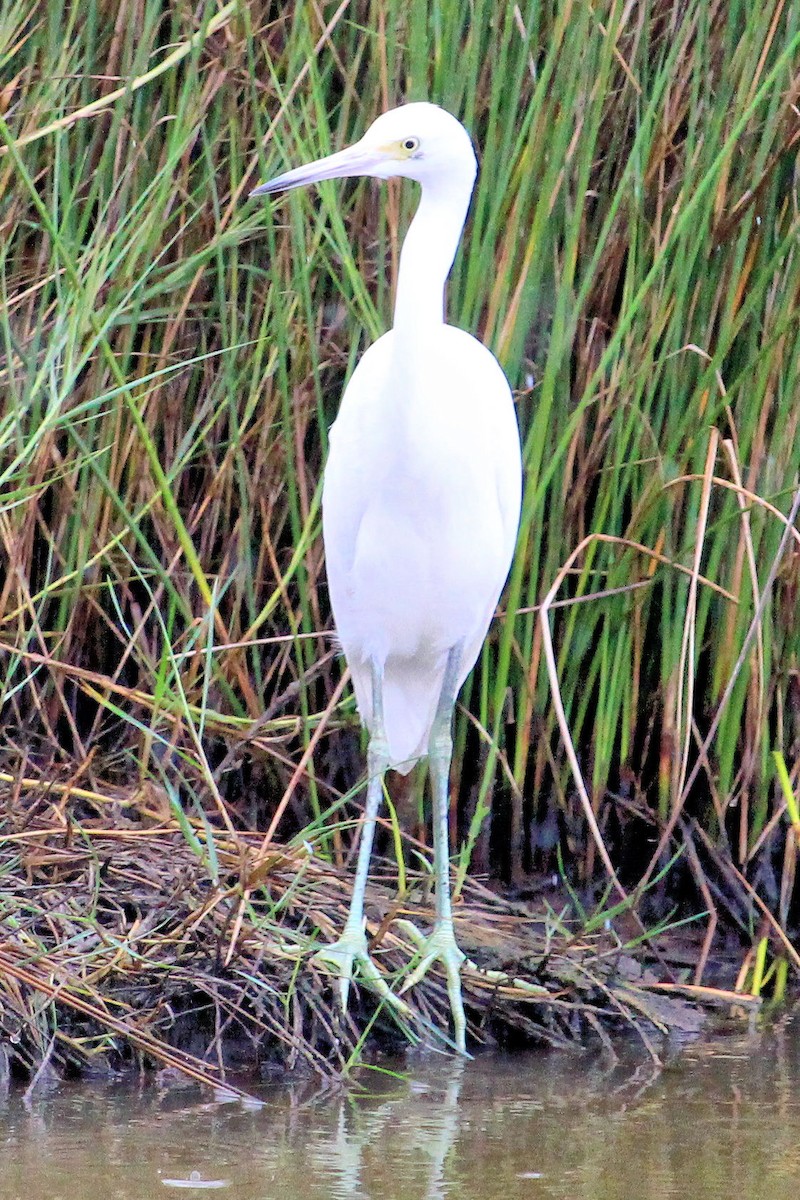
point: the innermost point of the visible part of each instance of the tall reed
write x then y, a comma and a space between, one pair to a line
172, 357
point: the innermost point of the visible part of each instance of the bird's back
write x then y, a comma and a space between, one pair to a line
421, 505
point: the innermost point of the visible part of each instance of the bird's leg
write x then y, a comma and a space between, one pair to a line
441, 945
350, 952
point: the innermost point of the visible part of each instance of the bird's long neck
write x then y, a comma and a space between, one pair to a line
427, 256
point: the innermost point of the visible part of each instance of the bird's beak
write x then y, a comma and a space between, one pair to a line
355, 160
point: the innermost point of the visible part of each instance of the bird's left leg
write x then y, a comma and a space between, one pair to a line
441, 945
350, 953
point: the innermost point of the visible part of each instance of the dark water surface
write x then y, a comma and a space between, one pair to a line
722, 1121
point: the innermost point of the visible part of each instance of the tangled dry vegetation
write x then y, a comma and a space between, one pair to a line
175, 722
128, 942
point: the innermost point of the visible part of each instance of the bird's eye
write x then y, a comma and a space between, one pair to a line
410, 144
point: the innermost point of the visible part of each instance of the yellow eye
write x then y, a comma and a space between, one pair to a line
410, 144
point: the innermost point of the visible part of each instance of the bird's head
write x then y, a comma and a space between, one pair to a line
418, 141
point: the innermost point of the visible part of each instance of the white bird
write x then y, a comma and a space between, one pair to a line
420, 504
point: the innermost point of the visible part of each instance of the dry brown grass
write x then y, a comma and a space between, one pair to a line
121, 945
171, 358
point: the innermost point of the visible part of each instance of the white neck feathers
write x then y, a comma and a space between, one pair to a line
428, 252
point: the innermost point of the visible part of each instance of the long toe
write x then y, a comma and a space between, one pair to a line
338, 959
349, 956
441, 946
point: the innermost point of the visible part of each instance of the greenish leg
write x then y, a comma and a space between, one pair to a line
350, 951
441, 945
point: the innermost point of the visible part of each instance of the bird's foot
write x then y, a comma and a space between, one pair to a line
440, 946
348, 955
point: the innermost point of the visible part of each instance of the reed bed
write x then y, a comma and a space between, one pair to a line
128, 942
171, 357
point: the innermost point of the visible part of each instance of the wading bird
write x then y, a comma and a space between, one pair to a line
420, 510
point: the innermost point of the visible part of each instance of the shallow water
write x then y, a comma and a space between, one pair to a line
721, 1120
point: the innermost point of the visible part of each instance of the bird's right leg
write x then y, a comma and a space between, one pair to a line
441, 944
349, 953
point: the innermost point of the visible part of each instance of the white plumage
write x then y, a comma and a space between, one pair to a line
420, 511
421, 503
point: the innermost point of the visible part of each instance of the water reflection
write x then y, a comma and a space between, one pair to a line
721, 1119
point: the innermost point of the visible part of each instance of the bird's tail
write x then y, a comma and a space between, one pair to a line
410, 696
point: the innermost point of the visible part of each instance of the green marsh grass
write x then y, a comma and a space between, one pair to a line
172, 354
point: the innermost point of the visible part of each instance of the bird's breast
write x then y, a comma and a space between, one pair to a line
415, 539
